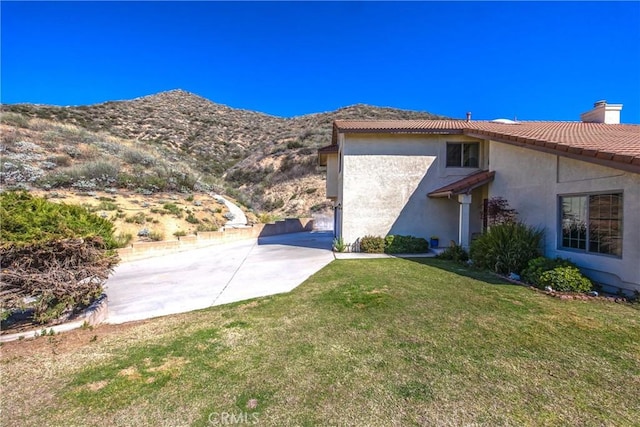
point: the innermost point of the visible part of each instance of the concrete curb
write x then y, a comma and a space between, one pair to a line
96, 313
362, 255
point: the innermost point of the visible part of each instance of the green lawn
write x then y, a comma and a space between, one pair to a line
362, 342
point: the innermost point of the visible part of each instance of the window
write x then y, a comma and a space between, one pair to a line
462, 154
592, 223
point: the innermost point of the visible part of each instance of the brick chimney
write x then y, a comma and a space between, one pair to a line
603, 113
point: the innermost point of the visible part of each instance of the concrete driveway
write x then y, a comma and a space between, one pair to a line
215, 275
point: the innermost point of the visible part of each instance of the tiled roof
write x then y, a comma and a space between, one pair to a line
613, 145
464, 185
328, 149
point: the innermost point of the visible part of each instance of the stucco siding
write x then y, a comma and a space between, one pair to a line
385, 181
532, 182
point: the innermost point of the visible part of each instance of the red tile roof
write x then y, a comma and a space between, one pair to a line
612, 145
464, 185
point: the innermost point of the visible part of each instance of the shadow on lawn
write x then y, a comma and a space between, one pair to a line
461, 270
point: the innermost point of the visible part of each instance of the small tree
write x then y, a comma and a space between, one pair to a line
497, 212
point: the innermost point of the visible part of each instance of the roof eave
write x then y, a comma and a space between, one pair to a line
603, 158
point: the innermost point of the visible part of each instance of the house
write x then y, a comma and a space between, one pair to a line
580, 181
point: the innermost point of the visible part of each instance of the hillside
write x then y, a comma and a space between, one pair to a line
177, 142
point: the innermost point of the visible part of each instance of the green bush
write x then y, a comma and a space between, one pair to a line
372, 244
539, 265
172, 208
139, 218
123, 239
207, 227
339, 245
26, 219
454, 253
107, 206
156, 236
565, 279
396, 244
507, 248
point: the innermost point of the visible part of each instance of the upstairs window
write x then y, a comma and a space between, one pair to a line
592, 223
463, 154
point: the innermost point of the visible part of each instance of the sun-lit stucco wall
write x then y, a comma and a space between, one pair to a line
532, 182
384, 182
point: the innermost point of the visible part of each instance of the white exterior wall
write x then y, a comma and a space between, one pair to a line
384, 182
532, 182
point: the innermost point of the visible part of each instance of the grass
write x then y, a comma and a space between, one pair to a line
362, 342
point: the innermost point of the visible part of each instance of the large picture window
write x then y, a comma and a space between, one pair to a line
463, 154
592, 223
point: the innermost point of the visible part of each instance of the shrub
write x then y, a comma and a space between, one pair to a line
100, 171
172, 208
207, 227
123, 239
272, 204
14, 119
266, 218
138, 157
156, 236
192, 219
60, 160
87, 176
105, 205
339, 245
539, 265
138, 218
454, 253
28, 219
294, 144
506, 248
396, 244
180, 233
372, 244
565, 279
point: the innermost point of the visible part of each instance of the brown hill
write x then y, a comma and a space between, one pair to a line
178, 141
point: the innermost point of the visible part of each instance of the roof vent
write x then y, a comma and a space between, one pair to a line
603, 113
505, 121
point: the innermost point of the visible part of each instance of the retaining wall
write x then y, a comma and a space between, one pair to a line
140, 250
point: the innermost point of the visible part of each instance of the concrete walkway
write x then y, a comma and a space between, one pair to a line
239, 218
215, 275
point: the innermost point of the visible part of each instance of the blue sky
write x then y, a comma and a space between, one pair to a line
533, 61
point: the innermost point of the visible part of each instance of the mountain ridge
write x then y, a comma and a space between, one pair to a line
268, 162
